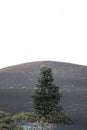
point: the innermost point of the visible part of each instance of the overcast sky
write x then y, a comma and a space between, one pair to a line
34, 30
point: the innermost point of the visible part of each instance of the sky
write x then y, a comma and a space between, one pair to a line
36, 30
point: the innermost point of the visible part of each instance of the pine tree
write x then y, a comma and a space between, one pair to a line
46, 96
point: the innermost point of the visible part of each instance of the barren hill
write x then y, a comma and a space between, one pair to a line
17, 84
26, 75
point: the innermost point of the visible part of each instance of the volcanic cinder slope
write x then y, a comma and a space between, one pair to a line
17, 84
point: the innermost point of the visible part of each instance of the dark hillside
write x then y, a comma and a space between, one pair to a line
17, 84
27, 74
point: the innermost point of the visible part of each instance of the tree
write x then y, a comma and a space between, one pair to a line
46, 96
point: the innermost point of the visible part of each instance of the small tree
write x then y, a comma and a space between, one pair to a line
46, 95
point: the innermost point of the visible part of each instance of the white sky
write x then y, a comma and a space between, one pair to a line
33, 30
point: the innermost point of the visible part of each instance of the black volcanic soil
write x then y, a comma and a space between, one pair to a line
17, 84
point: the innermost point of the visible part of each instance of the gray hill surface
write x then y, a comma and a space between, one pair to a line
17, 84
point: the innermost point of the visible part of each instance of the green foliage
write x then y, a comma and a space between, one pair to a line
27, 116
46, 95
59, 117
54, 117
7, 122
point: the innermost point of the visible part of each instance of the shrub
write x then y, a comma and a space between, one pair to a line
59, 117
27, 116
53, 117
7, 122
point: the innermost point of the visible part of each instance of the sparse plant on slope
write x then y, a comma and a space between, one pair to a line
27, 116
46, 99
7, 122
46, 96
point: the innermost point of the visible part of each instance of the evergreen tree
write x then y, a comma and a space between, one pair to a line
46, 95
